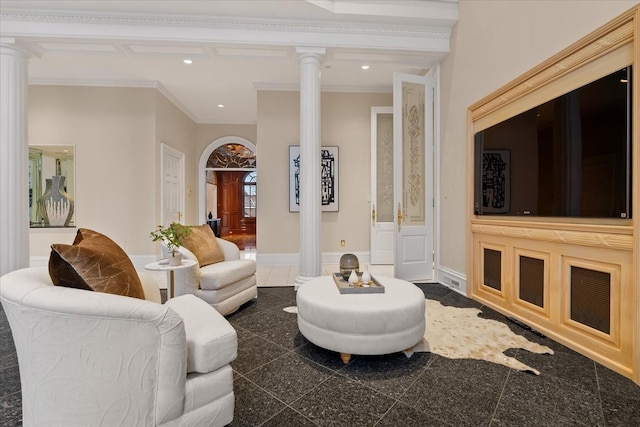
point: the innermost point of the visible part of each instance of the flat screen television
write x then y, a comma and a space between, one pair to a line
569, 157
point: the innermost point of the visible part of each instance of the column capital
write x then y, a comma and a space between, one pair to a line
13, 46
317, 52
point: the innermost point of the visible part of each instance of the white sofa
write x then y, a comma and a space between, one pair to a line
91, 358
225, 285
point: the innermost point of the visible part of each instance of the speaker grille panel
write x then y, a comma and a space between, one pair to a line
532, 280
590, 298
493, 269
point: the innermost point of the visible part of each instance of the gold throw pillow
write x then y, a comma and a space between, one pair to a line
204, 245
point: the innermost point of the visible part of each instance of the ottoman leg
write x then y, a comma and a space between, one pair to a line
345, 357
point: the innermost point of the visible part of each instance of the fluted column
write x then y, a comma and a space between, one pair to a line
14, 157
310, 262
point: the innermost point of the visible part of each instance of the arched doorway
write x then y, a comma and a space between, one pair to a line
227, 187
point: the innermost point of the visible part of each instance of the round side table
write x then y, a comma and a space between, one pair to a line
163, 265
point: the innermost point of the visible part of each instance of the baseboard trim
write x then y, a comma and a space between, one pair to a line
452, 279
294, 258
277, 259
38, 261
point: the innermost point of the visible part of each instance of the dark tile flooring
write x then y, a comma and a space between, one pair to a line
281, 379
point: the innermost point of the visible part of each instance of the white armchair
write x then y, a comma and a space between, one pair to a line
92, 358
225, 285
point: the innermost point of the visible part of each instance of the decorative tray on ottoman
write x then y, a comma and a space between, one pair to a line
374, 287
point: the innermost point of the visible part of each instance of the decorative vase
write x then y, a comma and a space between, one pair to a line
348, 263
366, 276
55, 204
353, 278
175, 258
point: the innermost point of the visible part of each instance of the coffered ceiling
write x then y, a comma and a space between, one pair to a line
237, 47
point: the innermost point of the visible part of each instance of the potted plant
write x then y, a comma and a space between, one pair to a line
172, 236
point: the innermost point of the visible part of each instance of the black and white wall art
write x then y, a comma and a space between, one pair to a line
328, 178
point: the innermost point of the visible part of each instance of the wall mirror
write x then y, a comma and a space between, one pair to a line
51, 186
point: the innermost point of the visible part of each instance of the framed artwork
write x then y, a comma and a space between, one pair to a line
328, 178
496, 181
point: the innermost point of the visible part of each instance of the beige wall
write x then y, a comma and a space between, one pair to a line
345, 122
493, 43
177, 130
113, 130
117, 134
207, 133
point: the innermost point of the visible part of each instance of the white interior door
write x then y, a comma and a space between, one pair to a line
413, 126
382, 228
172, 184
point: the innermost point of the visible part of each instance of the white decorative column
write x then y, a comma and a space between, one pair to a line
310, 262
14, 157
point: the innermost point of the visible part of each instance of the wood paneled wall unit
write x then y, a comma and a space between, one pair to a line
576, 280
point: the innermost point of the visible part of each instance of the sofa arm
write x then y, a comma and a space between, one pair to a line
230, 250
211, 340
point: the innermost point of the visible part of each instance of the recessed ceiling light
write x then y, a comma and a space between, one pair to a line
187, 61
220, 106
365, 67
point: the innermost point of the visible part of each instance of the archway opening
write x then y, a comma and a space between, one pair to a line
230, 193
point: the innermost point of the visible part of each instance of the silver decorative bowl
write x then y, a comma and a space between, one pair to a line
348, 263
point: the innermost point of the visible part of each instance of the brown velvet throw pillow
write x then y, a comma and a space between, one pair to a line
202, 242
96, 263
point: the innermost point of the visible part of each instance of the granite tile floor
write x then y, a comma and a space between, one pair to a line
281, 379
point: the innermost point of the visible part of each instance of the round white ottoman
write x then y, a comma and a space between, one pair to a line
361, 323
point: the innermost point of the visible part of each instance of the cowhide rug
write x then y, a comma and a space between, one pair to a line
458, 333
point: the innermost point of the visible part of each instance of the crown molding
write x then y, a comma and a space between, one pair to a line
217, 121
442, 30
278, 87
148, 84
95, 83
47, 24
163, 90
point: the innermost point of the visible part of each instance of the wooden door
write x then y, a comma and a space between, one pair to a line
230, 204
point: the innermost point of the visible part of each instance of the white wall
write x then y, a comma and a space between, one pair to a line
493, 43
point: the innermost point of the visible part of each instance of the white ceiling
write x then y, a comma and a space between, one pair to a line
237, 47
